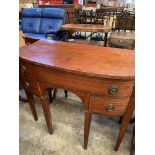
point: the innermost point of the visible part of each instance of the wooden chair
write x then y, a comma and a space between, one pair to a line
101, 18
82, 17
123, 35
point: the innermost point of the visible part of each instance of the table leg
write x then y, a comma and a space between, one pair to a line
32, 105
105, 39
66, 93
66, 36
125, 120
87, 128
47, 113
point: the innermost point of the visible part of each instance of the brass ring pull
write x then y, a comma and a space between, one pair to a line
27, 84
113, 90
23, 68
110, 107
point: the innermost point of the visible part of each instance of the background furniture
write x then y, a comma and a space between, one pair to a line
41, 23
108, 91
52, 1
87, 28
67, 7
123, 35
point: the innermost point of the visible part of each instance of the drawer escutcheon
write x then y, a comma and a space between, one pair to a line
110, 107
113, 90
27, 84
23, 68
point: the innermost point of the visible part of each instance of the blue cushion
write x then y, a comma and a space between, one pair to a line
36, 36
48, 25
30, 25
57, 13
36, 22
31, 12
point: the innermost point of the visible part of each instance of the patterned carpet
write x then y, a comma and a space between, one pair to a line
68, 124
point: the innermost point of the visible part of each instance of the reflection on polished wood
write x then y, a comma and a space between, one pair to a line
102, 77
86, 27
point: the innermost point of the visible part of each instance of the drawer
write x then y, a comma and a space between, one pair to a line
93, 85
108, 106
33, 87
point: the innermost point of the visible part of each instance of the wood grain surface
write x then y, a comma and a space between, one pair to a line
86, 27
89, 60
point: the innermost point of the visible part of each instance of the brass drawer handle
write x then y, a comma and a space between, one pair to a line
23, 68
110, 107
113, 90
27, 84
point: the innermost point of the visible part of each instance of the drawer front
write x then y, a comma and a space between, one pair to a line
113, 88
108, 106
30, 82
33, 87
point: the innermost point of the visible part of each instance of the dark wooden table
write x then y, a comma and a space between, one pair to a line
102, 77
88, 28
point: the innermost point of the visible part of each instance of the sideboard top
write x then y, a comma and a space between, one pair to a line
83, 59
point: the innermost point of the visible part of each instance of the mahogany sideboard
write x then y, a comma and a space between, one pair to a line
102, 77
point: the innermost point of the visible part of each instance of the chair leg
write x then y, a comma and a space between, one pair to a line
120, 120
132, 120
50, 95
52, 92
66, 93
55, 93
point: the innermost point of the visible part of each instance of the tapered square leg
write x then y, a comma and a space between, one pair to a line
87, 128
47, 113
32, 105
126, 120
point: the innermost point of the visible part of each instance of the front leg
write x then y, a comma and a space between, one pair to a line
47, 113
88, 116
126, 120
32, 105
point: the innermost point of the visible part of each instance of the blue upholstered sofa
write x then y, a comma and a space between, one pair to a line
40, 23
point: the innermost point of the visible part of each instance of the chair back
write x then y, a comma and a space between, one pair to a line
31, 18
42, 20
124, 21
102, 16
52, 19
